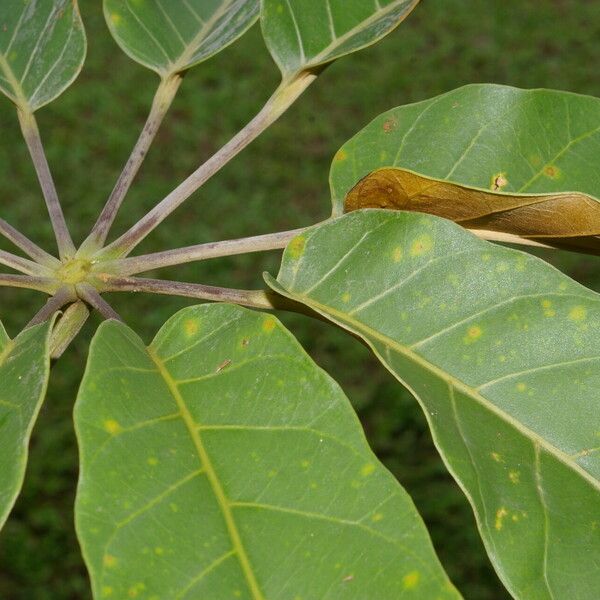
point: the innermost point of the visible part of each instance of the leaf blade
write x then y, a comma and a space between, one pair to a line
536, 141
42, 50
253, 457
464, 346
566, 219
169, 38
303, 35
24, 372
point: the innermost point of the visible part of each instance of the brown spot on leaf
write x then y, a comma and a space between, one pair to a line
223, 365
499, 181
552, 171
390, 125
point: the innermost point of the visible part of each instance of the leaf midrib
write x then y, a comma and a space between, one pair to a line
350, 323
339, 41
212, 476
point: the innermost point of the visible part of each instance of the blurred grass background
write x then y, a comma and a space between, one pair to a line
278, 183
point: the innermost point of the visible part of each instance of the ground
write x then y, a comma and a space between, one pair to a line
280, 182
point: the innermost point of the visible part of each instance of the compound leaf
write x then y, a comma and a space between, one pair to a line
24, 371
170, 37
220, 462
42, 50
503, 353
303, 35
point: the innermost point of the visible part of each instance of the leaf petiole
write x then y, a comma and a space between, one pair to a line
39, 284
31, 134
285, 95
168, 258
27, 246
261, 299
163, 99
23, 265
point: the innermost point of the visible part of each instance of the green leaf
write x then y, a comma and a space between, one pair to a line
220, 462
24, 371
503, 353
303, 35
42, 49
170, 37
491, 137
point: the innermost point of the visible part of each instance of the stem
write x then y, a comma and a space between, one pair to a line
158, 260
252, 298
282, 99
26, 245
54, 304
90, 294
160, 105
67, 328
23, 264
66, 248
39, 284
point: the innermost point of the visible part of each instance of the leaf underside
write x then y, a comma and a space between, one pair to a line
306, 34
170, 37
568, 219
490, 137
502, 351
24, 371
42, 49
220, 462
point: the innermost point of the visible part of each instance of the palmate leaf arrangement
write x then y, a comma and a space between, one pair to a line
220, 461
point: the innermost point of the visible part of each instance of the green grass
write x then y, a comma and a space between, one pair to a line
280, 182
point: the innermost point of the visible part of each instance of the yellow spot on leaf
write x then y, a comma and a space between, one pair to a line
269, 324
497, 457
552, 171
305, 464
296, 247
272, 473
174, 508
367, 469
514, 476
422, 245
397, 254
191, 327
109, 561
473, 334
578, 313
134, 590
159, 551
501, 514
521, 387
411, 580
115, 18
153, 461
346, 298
112, 426
377, 517
341, 156
107, 591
